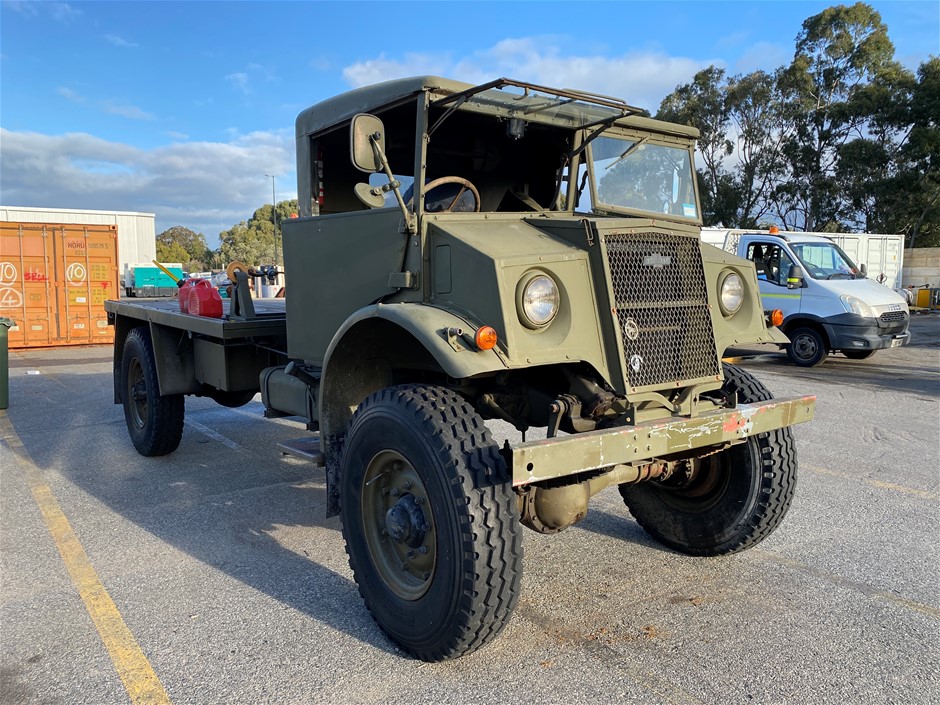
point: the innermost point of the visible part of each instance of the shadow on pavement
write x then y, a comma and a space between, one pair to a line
199, 499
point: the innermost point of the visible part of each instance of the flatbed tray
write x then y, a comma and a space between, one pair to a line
270, 317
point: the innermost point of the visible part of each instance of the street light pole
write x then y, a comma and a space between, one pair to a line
277, 257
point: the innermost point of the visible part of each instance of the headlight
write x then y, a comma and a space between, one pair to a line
538, 302
855, 305
731, 295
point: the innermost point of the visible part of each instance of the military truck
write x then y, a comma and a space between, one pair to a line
466, 254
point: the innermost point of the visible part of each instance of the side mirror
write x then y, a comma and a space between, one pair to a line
367, 130
795, 278
863, 269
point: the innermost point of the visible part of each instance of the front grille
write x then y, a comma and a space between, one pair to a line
662, 307
893, 316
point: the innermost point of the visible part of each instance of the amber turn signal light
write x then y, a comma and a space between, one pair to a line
485, 338
775, 317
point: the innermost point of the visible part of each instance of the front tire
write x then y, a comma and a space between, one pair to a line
430, 521
736, 498
807, 347
154, 421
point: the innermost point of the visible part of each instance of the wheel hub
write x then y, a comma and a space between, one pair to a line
405, 522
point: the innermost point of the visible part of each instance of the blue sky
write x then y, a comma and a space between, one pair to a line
181, 108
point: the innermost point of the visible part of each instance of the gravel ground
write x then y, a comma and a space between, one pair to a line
236, 587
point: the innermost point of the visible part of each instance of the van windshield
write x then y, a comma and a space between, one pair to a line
825, 260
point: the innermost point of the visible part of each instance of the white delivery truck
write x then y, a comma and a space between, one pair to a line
828, 303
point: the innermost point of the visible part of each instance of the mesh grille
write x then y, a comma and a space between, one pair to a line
662, 306
893, 316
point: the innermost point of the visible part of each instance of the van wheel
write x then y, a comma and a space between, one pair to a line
430, 521
733, 500
807, 347
154, 421
858, 354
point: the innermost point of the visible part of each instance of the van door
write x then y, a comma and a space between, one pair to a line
773, 265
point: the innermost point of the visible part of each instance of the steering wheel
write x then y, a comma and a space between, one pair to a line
458, 181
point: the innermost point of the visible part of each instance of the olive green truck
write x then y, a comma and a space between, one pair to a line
464, 254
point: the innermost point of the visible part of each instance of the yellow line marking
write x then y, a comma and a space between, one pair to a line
864, 588
138, 676
923, 494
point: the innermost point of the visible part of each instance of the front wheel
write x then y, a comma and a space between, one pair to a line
858, 354
807, 347
430, 520
154, 421
733, 499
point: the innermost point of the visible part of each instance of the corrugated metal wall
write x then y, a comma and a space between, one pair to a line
137, 236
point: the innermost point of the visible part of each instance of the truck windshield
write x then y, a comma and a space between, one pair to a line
825, 260
635, 174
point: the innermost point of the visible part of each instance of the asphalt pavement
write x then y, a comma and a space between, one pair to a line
234, 588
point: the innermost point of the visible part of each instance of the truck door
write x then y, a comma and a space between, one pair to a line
773, 264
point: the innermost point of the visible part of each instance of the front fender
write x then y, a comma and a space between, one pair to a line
364, 354
456, 355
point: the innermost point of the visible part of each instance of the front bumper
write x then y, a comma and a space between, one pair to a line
867, 336
536, 461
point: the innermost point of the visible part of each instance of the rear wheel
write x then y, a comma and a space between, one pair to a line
858, 354
807, 347
733, 499
430, 521
154, 421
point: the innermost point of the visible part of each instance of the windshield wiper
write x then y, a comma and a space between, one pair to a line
628, 151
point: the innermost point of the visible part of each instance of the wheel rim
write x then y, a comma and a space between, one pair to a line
398, 525
805, 347
137, 393
699, 489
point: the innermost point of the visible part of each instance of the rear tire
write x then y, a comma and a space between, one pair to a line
154, 421
430, 521
807, 347
736, 499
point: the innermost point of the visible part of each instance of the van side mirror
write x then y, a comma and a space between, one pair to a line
795, 277
367, 142
863, 269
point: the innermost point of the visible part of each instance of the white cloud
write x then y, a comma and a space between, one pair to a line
62, 11
128, 111
120, 41
206, 186
71, 95
239, 81
764, 56
58, 11
179, 136
27, 9
641, 78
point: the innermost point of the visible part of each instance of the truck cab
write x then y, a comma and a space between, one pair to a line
829, 305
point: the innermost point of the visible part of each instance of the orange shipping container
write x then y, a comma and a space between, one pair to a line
54, 280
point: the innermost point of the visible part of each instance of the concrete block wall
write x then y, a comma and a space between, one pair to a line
921, 266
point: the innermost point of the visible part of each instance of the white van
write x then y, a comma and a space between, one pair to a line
828, 303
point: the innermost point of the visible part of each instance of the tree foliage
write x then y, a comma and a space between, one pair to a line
843, 137
253, 242
179, 244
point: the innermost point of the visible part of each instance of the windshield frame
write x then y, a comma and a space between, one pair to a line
653, 140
